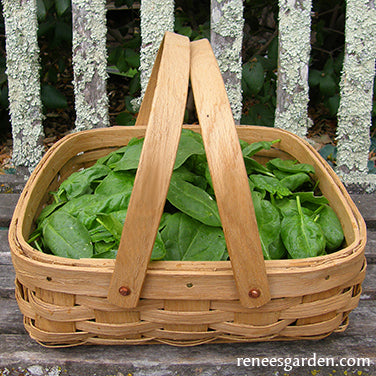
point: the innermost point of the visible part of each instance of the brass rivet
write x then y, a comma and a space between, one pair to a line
124, 290
49, 278
254, 293
190, 284
327, 277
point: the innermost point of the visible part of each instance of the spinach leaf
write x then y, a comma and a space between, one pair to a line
189, 240
130, 158
270, 184
110, 254
190, 144
87, 207
269, 225
243, 144
116, 155
288, 207
111, 224
65, 236
189, 176
112, 157
255, 147
253, 166
164, 219
159, 249
91, 205
295, 181
309, 197
280, 174
302, 236
193, 201
48, 210
209, 179
115, 225
95, 204
104, 250
185, 174
101, 235
115, 182
290, 166
197, 163
79, 183
331, 227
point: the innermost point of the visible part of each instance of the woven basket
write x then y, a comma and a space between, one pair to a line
129, 300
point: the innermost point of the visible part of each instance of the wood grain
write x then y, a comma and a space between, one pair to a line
165, 103
229, 176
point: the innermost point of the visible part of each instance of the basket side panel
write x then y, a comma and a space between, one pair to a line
58, 299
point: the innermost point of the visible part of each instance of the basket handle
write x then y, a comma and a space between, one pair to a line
162, 110
229, 176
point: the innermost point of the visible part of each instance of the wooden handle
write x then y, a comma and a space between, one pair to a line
162, 111
229, 176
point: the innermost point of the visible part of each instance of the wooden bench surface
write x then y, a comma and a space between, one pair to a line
20, 355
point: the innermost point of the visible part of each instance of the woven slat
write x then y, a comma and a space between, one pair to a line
291, 281
64, 301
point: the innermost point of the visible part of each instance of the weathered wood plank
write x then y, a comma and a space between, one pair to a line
11, 319
366, 203
370, 249
8, 202
13, 183
7, 276
369, 284
4, 245
356, 341
5, 258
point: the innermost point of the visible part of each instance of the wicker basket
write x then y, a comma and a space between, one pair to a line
68, 302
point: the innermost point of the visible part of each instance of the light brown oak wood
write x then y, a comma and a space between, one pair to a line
163, 110
230, 180
181, 303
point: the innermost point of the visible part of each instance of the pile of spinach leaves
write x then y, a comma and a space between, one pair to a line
87, 215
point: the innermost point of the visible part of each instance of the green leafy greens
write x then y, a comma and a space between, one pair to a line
87, 216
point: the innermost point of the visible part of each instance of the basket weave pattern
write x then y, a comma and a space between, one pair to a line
69, 302
64, 301
282, 319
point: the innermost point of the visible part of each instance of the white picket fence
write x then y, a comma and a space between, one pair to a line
157, 16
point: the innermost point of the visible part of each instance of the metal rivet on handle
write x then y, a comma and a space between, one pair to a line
254, 293
124, 290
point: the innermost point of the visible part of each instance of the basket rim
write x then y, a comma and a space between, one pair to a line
22, 248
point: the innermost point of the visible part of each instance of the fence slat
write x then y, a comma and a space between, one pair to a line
226, 39
157, 17
354, 114
89, 57
23, 68
294, 51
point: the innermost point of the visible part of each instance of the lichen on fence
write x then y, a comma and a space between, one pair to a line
294, 52
354, 114
23, 68
157, 17
226, 39
89, 57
